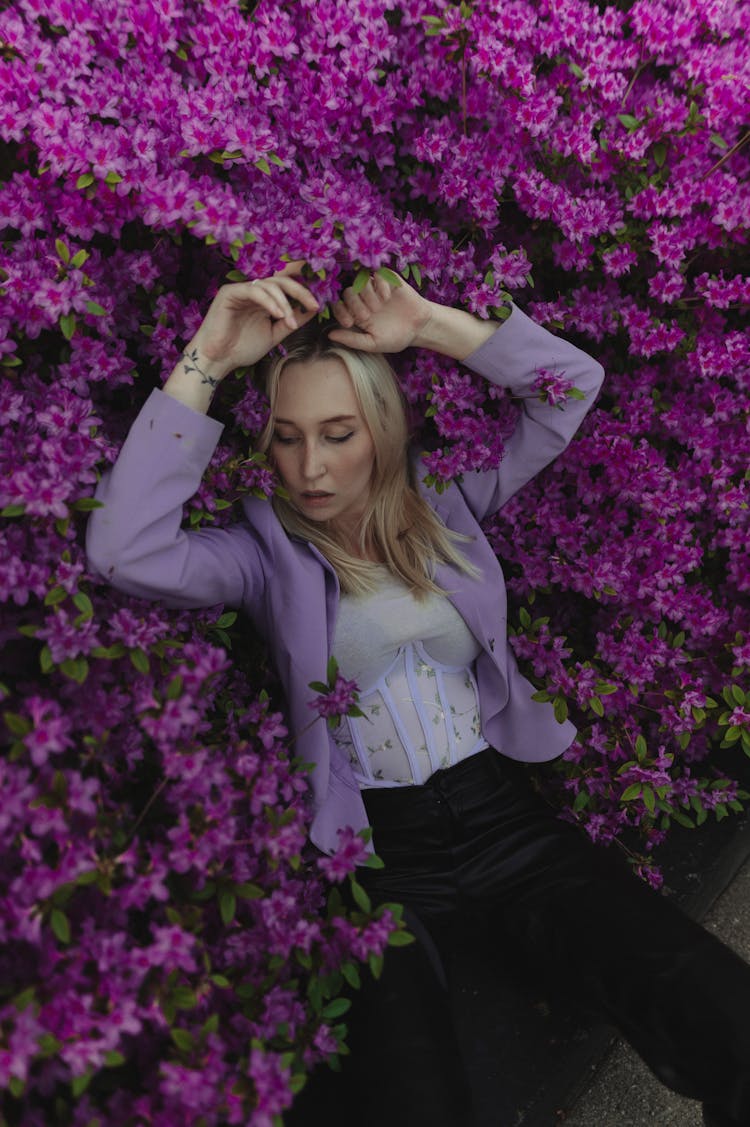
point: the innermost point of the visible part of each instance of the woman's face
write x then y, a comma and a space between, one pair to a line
321, 445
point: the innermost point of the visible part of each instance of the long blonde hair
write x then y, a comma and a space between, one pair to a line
398, 523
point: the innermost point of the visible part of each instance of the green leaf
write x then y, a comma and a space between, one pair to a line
641, 748
263, 166
390, 276
575, 69
67, 325
84, 604
660, 155
78, 259
400, 939
560, 709
23, 1000
227, 620
85, 180
738, 694
352, 975
62, 251
416, 274
683, 820
184, 998
140, 660
633, 791
227, 906
79, 1084
596, 706
17, 725
360, 896
183, 1039
113, 178
719, 140
331, 671
335, 1009
45, 660
236, 276
60, 925
174, 688
375, 963
249, 891
220, 980
360, 281
524, 617
76, 669
581, 801
96, 309
628, 121
113, 1059
109, 653
649, 799
55, 596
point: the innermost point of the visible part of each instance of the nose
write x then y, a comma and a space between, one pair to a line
312, 462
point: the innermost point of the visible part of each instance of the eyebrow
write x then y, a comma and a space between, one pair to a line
333, 419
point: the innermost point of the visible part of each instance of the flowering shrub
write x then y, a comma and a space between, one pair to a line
164, 930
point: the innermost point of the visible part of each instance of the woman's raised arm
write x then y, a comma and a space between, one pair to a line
135, 541
244, 322
388, 318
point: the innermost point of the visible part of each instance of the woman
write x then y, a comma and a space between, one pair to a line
364, 562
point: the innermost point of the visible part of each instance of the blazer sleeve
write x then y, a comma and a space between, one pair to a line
512, 358
136, 542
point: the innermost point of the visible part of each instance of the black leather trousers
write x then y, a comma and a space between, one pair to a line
476, 839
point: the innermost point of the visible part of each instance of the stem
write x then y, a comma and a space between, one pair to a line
730, 152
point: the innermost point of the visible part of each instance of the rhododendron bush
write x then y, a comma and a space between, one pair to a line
172, 952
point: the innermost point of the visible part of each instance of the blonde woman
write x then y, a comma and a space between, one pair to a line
362, 561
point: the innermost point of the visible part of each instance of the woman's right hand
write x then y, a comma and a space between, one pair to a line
247, 319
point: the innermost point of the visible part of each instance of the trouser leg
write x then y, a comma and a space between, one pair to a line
679, 995
404, 1067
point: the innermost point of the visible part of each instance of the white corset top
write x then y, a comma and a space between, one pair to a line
413, 663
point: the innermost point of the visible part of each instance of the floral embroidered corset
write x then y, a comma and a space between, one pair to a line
413, 663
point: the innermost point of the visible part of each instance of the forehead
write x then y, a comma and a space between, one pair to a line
313, 390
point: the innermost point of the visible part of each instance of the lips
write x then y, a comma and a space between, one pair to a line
316, 498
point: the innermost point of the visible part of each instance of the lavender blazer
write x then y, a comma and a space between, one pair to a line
291, 592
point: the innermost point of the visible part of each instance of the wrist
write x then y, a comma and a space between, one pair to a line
453, 332
211, 370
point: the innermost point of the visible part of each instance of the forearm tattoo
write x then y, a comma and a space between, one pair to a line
191, 365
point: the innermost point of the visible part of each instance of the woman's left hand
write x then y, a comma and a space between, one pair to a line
381, 317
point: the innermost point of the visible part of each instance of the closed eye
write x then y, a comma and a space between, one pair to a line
340, 437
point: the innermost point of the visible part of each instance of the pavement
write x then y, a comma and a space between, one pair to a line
623, 1092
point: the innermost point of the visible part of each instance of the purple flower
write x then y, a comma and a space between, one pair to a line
338, 700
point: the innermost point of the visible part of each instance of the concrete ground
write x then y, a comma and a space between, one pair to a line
624, 1093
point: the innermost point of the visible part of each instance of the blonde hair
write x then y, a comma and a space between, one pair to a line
398, 523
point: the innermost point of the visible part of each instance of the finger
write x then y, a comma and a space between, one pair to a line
381, 287
361, 342
297, 291
281, 329
342, 314
370, 297
281, 288
261, 293
294, 267
357, 307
